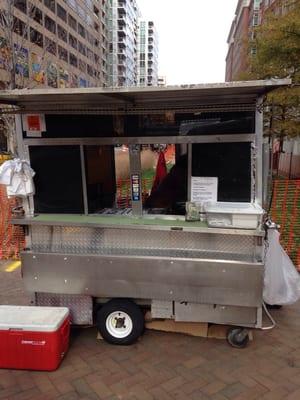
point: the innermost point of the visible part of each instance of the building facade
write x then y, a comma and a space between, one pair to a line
123, 18
57, 43
247, 16
147, 54
73, 43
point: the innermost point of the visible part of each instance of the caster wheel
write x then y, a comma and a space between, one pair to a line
238, 337
120, 321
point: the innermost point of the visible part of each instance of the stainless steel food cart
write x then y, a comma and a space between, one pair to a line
106, 267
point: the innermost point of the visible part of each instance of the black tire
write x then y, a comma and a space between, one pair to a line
118, 311
238, 337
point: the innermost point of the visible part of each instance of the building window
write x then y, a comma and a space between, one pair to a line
72, 22
62, 33
90, 70
255, 19
50, 46
36, 14
90, 54
81, 30
21, 5
50, 24
73, 60
62, 54
50, 4
62, 13
36, 37
73, 41
82, 66
81, 48
20, 28
96, 11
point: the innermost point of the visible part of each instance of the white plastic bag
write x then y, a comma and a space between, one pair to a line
282, 281
17, 176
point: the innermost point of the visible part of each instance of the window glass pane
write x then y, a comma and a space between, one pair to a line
50, 4
36, 37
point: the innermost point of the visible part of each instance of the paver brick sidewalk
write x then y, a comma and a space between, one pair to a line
163, 366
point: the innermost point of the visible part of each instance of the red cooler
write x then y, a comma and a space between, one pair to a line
34, 338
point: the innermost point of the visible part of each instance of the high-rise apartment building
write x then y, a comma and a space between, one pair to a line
122, 42
147, 54
57, 43
161, 81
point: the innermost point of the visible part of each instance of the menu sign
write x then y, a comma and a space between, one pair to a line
204, 189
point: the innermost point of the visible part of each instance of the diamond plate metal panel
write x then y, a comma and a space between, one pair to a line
121, 241
81, 307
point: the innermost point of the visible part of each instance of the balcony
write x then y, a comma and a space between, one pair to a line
121, 21
121, 45
121, 12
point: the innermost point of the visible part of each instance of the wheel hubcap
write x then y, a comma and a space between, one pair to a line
119, 324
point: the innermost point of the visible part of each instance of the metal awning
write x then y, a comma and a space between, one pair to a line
217, 96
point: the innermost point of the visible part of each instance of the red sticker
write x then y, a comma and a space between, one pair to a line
34, 123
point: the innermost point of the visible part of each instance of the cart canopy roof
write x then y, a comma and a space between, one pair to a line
242, 94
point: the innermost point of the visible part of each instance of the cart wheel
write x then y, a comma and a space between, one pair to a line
238, 337
120, 321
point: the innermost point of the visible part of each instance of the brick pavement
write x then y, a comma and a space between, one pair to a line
163, 366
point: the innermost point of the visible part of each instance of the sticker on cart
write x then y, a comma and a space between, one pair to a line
34, 124
34, 342
136, 187
204, 189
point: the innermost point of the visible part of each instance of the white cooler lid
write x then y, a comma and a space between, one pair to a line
27, 318
233, 208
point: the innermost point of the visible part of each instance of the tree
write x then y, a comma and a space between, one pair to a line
274, 52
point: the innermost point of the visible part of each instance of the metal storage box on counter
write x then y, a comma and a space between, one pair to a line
233, 215
33, 338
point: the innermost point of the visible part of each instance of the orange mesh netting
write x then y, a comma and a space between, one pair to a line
285, 211
11, 237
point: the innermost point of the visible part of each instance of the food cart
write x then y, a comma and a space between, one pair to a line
105, 262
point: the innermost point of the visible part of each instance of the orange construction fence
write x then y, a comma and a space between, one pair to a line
12, 239
285, 211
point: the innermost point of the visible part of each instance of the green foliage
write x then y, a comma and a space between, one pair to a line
277, 55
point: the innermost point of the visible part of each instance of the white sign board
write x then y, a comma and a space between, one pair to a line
204, 189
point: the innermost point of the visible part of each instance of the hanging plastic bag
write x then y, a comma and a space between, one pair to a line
282, 281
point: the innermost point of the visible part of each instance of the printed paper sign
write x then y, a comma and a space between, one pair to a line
204, 189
